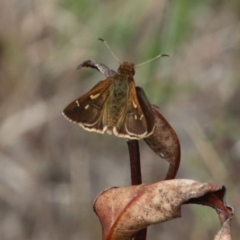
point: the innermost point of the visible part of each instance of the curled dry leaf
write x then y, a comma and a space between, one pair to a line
225, 232
126, 210
216, 201
164, 142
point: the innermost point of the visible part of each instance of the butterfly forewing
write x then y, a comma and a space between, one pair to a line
135, 122
87, 110
135, 119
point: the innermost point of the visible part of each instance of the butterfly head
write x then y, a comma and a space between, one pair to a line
126, 68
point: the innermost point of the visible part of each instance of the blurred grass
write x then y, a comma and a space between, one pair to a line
51, 170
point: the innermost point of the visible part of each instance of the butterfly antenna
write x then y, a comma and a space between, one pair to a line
105, 42
158, 56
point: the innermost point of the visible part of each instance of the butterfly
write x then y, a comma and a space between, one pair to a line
115, 105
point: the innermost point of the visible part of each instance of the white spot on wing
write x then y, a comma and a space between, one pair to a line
94, 96
134, 104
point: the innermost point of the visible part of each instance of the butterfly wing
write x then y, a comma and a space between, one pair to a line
87, 111
138, 119
147, 109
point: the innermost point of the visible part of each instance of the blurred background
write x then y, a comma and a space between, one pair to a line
52, 170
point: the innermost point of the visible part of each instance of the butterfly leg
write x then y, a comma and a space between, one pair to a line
99, 66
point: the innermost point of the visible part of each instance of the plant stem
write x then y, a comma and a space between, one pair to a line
136, 176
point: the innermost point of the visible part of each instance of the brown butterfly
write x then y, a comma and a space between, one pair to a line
115, 105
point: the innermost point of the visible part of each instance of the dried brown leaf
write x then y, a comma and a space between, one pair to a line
225, 232
216, 201
126, 210
164, 142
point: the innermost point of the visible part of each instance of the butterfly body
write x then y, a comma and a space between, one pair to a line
114, 105
117, 101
